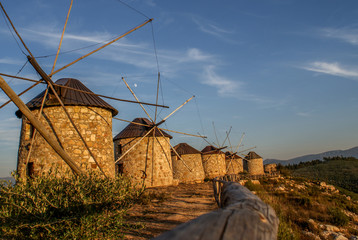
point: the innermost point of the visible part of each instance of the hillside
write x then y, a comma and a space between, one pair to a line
352, 152
341, 172
309, 210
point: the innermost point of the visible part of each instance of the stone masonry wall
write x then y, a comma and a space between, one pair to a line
95, 125
234, 165
182, 172
255, 166
214, 165
269, 168
155, 167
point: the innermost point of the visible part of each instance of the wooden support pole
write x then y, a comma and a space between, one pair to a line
137, 99
39, 126
105, 45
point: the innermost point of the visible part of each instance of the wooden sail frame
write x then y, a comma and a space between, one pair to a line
152, 128
47, 78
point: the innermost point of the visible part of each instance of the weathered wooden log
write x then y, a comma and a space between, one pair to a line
243, 216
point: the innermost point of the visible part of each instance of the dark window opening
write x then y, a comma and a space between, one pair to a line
30, 169
120, 168
119, 150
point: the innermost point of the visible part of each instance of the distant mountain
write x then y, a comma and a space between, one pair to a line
352, 152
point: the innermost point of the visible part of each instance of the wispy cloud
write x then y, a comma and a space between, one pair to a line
213, 29
303, 114
9, 131
10, 61
224, 85
332, 69
346, 34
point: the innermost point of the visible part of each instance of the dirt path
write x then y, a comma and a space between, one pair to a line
170, 207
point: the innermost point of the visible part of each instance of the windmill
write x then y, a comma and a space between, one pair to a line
234, 162
53, 134
214, 158
144, 149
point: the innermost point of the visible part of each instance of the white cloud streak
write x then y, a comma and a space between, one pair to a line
224, 85
10, 61
349, 35
331, 69
211, 28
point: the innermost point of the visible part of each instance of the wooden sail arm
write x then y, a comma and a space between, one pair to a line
63, 33
26, 90
124, 154
188, 134
13, 27
78, 90
175, 150
137, 99
136, 123
164, 119
166, 157
246, 150
227, 136
103, 46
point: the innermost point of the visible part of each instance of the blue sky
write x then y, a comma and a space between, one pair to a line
284, 72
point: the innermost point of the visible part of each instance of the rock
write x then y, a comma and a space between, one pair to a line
281, 188
311, 235
339, 237
313, 224
331, 228
255, 181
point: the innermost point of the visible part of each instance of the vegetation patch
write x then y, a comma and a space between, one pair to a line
82, 207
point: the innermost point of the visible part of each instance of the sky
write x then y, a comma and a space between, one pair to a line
283, 73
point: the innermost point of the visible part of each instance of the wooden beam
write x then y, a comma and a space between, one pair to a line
78, 90
105, 45
243, 216
39, 126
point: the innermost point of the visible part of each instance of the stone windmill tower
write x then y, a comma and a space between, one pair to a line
57, 134
146, 138
213, 162
234, 163
253, 164
148, 157
91, 115
188, 166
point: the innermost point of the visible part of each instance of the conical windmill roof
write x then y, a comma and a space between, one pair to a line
69, 97
137, 130
184, 148
211, 150
252, 155
230, 155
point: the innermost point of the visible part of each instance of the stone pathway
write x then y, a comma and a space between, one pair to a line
181, 204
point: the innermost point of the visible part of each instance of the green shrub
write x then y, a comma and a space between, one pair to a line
338, 218
254, 187
79, 207
285, 231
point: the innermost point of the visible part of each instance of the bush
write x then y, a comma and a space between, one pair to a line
338, 218
254, 187
47, 207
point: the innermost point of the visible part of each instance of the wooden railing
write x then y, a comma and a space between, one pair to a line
218, 182
242, 215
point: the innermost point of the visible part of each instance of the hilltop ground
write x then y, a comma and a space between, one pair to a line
307, 210
161, 209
